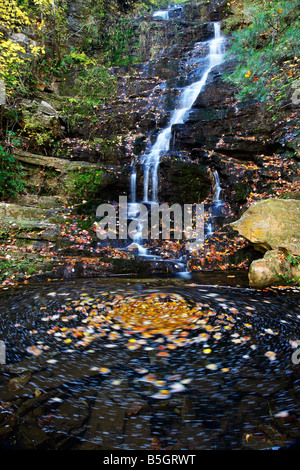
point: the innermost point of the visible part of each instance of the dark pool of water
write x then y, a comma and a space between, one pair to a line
235, 388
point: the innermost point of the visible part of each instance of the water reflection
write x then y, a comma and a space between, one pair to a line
227, 383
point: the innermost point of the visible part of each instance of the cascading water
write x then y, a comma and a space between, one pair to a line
161, 146
133, 185
165, 14
133, 211
218, 188
217, 202
187, 99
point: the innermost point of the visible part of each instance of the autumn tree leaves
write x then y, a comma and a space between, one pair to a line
17, 48
26, 28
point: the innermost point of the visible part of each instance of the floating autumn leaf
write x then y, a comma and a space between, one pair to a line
163, 354
104, 370
281, 414
233, 310
141, 371
271, 355
148, 378
177, 387
133, 346
162, 394
206, 351
270, 331
34, 350
211, 366
174, 377
160, 383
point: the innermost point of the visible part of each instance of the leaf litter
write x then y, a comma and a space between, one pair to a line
159, 322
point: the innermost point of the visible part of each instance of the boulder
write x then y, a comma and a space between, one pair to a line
270, 224
275, 269
273, 227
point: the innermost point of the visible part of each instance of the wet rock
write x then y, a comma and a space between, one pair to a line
216, 91
105, 425
70, 416
18, 383
192, 182
29, 436
93, 267
8, 422
217, 122
275, 269
134, 439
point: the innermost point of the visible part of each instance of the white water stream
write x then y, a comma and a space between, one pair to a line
165, 14
187, 99
161, 146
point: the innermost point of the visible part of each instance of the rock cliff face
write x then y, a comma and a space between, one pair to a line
217, 122
273, 227
146, 91
236, 138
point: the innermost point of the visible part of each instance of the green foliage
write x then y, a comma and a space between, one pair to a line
11, 183
86, 86
119, 42
266, 50
85, 184
25, 266
293, 260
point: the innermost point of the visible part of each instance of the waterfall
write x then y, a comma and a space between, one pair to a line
216, 206
161, 146
163, 14
218, 188
189, 94
133, 184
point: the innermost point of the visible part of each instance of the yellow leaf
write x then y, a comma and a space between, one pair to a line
207, 351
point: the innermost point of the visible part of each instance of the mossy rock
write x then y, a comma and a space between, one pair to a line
270, 223
275, 269
184, 183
